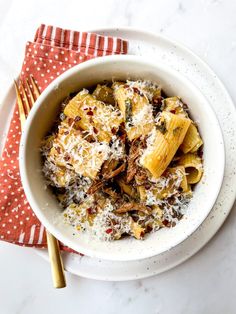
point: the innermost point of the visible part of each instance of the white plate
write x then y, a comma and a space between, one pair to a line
180, 59
118, 68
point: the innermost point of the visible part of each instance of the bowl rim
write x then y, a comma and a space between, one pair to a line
25, 133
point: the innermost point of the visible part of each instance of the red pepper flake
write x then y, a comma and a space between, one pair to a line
77, 119
147, 186
166, 223
137, 91
142, 233
86, 108
58, 149
157, 100
173, 111
70, 121
200, 153
66, 132
165, 173
123, 137
91, 210
90, 113
95, 130
108, 231
113, 130
66, 157
148, 228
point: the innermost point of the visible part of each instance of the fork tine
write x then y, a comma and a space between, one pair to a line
32, 100
20, 105
35, 87
26, 101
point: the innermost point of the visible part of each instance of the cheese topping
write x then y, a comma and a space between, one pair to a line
94, 161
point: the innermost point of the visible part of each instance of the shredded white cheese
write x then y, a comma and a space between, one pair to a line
143, 116
69, 151
150, 145
147, 88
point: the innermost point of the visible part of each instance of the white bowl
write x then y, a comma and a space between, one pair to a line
42, 117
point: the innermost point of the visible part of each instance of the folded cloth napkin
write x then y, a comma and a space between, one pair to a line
53, 51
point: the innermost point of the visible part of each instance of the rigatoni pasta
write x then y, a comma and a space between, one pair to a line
164, 142
90, 114
136, 111
192, 141
193, 167
123, 159
104, 93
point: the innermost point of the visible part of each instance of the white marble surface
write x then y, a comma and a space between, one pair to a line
203, 284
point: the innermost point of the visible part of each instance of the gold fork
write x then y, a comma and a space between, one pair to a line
26, 96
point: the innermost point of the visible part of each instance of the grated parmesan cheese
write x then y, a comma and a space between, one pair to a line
150, 145
74, 155
145, 114
147, 88
102, 223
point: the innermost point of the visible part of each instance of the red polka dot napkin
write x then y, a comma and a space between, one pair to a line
53, 51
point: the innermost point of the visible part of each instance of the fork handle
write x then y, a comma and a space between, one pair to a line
57, 269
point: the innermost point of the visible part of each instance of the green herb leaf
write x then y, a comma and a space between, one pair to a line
177, 130
162, 127
128, 111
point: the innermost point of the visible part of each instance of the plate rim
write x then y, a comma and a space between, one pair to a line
148, 247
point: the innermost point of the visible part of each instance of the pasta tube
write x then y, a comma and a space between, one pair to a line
163, 143
178, 173
85, 158
136, 111
193, 167
174, 104
104, 93
192, 140
92, 115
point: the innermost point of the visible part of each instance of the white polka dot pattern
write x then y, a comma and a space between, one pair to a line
53, 51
